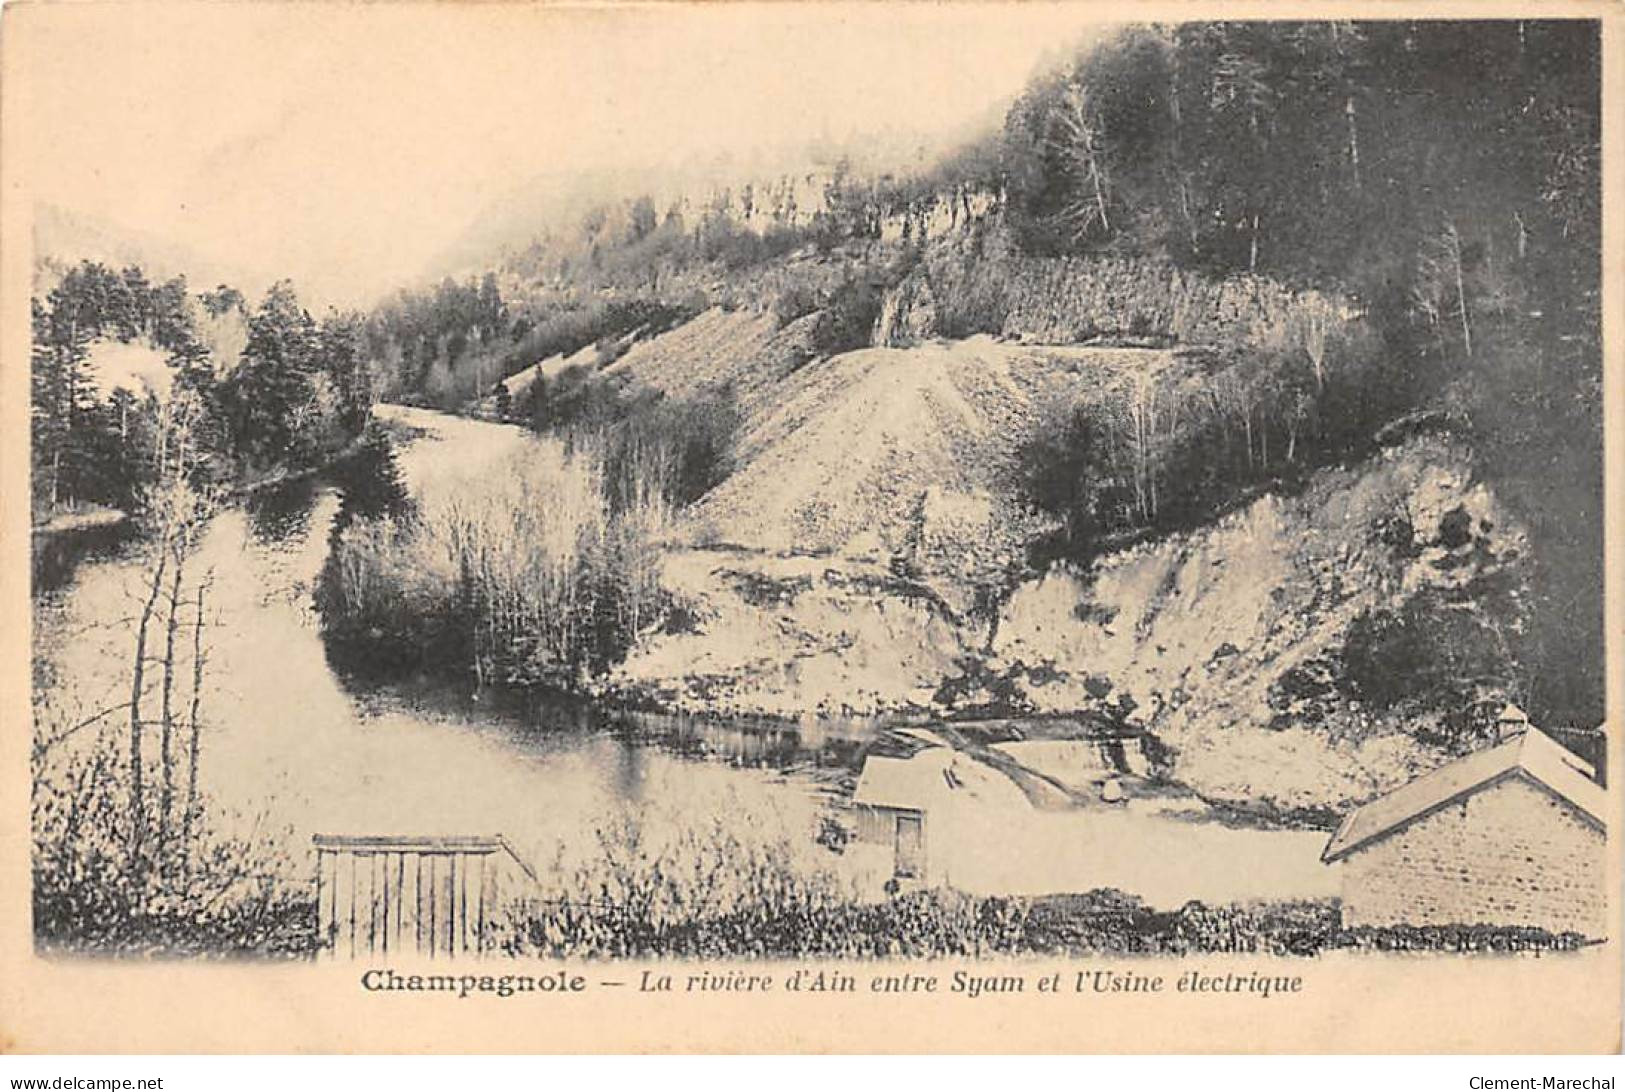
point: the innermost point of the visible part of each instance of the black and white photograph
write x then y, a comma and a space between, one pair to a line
696, 494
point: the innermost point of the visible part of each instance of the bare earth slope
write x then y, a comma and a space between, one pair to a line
851, 445
738, 350
874, 490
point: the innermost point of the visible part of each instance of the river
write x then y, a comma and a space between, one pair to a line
291, 747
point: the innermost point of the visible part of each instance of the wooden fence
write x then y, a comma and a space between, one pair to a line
413, 896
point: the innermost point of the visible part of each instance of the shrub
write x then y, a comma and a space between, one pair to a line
1457, 938
1430, 655
704, 890
1064, 469
526, 576
788, 915
189, 892
570, 327
676, 449
797, 299
387, 602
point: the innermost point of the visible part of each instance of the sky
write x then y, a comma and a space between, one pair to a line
352, 147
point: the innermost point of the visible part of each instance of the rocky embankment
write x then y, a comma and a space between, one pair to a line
858, 563
1255, 649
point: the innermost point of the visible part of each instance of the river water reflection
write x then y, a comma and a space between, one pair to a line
291, 745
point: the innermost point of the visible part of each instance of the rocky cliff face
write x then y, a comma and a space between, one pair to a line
908, 314
1303, 652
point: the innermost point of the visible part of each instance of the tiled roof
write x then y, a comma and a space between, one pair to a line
1532, 755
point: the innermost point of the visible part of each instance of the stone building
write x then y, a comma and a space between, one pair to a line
1511, 835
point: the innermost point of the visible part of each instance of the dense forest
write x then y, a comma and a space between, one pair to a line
258, 391
1441, 181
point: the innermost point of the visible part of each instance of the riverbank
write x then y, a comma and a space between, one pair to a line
60, 542
98, 517
86, 518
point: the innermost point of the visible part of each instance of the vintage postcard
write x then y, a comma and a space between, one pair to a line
808, 527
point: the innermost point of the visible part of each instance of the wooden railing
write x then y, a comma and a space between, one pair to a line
431, 897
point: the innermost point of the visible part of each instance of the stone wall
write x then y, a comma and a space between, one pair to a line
1511, 854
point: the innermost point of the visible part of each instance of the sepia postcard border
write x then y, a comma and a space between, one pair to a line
1345, 1002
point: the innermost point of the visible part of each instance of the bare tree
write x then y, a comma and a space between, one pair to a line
1241, 86
1234, 400
166, 716
1452, 242
1298, 410
1080, 139
1315, 318
188, 817
1440, 286
176, 510
154, 583
1142, 414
